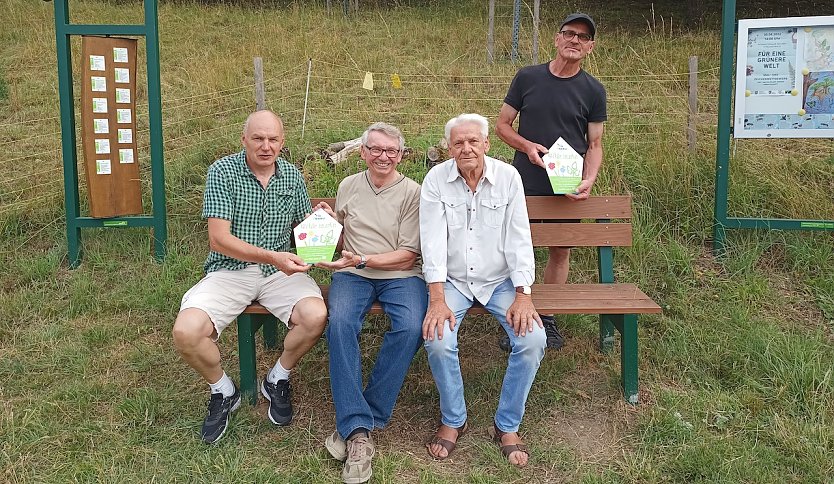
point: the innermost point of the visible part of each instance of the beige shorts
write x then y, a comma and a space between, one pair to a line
224, 294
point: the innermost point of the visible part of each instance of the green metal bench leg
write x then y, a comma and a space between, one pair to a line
270, 324
246, 329
628, 357
605, 267
606, 333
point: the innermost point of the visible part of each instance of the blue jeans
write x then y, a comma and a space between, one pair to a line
349, 300
523, 363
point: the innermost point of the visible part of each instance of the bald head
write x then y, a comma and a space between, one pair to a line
260, 117
263, 138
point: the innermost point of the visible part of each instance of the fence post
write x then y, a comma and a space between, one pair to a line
691, 131
536, 5
328, 6
491, 33
306, 96
516, 20
260, 94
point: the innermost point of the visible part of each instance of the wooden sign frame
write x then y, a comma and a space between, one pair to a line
156, 220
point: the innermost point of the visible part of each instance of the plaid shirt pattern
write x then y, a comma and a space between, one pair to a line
261, 217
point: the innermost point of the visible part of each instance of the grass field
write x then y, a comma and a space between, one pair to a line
736, 374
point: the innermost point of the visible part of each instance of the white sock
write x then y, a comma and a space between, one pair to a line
224, 385
278, 372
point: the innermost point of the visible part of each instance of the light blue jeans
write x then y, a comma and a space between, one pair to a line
349, 300
523, 363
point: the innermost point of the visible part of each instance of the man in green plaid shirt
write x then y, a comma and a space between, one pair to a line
252, 200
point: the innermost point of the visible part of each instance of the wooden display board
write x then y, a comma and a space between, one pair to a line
108, 126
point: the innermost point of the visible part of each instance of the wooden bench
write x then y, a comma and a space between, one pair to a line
618, 305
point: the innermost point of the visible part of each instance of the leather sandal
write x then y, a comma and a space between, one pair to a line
508, 449
446, 444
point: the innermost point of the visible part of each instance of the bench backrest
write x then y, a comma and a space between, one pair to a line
604, 234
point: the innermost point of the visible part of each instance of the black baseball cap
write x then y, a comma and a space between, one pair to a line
582, 17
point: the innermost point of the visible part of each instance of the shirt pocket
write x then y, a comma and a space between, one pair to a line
280, 207
455, 211
493, 211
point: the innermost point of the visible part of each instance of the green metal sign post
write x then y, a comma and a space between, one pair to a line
722, 153
75, 222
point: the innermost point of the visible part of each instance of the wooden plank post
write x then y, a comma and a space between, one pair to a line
260, 94
329, 6
691, 129
536, 5
491, 33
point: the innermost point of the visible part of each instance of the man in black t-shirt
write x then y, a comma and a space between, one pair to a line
552, 100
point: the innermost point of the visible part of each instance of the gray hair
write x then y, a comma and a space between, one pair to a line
467, 118
386, 129
255, 113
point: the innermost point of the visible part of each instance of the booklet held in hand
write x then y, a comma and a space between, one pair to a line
316, 237
564, 167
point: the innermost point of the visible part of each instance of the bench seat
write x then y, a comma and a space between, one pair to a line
560, 299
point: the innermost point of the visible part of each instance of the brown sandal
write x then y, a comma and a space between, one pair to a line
508, 449
446, 444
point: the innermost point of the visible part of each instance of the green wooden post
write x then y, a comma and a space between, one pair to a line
160, 226
605, 269
626, 324
628, 358
270, 325
247, 326
722, 152
75, 222
68, 151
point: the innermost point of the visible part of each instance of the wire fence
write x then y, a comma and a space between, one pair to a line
645, 111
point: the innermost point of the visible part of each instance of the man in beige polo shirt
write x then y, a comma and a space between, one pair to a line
380, 262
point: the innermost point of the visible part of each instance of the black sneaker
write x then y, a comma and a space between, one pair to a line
217, 420
555, 340
280, 401
504, 341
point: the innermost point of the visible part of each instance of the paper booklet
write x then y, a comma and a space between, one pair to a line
564, 167
316, 237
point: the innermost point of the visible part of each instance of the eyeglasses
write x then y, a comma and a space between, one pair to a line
570, 34
375, 151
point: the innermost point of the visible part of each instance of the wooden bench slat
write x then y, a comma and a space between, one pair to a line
563, 299
581, 235
597, 207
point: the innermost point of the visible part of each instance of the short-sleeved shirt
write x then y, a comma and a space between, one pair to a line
260, 216
379, 220
551, 107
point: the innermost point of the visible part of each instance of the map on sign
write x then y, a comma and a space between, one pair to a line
785, 78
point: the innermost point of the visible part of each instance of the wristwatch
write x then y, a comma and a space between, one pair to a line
362, 262
526, 290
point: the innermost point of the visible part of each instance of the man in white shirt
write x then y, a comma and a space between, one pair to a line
476, 245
